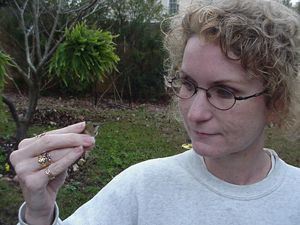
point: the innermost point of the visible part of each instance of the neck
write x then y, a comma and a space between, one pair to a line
241, 168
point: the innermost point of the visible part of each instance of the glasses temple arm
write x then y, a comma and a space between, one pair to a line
250, 96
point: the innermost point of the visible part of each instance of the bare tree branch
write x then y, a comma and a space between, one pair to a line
15, 84
50, 53
26, 34
32, 48
81, 8
36, 14
11, 108
44, 28
95, 9
21, 72
50, 39
17, 5
81, 14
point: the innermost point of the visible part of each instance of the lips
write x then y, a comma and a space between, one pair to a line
204, 134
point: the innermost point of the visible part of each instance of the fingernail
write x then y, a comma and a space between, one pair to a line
81, 124
88, 140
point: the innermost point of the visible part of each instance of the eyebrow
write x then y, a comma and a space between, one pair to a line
214, 83
186, 76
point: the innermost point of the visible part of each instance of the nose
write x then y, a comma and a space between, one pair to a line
200, 109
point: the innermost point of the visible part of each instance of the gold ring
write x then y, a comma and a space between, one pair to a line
44, 159
50, 175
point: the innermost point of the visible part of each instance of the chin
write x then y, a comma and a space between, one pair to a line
207, 150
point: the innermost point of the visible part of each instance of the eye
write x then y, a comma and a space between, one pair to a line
221, 92
188, 85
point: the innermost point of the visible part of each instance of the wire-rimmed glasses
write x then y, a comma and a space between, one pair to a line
218, 96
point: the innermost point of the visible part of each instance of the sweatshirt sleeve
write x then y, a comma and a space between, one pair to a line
21, 215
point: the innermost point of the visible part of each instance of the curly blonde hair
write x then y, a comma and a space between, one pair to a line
265, 37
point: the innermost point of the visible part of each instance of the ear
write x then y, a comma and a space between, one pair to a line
275, 112
272, 118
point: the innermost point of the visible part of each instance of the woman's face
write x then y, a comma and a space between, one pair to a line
216, 133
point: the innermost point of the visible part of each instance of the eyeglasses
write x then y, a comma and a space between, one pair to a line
219, 97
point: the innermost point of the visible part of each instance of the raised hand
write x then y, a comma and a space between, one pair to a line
41, 165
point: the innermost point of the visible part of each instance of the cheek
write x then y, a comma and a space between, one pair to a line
244, 120
183, 107
183, 110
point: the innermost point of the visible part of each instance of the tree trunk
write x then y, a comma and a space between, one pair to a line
25, 121
11, 108
22, 129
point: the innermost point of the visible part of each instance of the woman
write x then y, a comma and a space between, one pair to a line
234, 68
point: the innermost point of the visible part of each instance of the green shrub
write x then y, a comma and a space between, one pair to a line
84, 58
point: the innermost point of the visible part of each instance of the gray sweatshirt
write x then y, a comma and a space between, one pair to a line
179, 190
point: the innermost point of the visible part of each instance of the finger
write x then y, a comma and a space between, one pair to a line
74, 128
21, 156
30, 165
62, 165
56, 141
36, 181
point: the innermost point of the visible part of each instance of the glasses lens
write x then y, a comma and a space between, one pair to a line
221, 98
183, 88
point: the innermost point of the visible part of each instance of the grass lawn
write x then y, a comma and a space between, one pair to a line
126, 137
